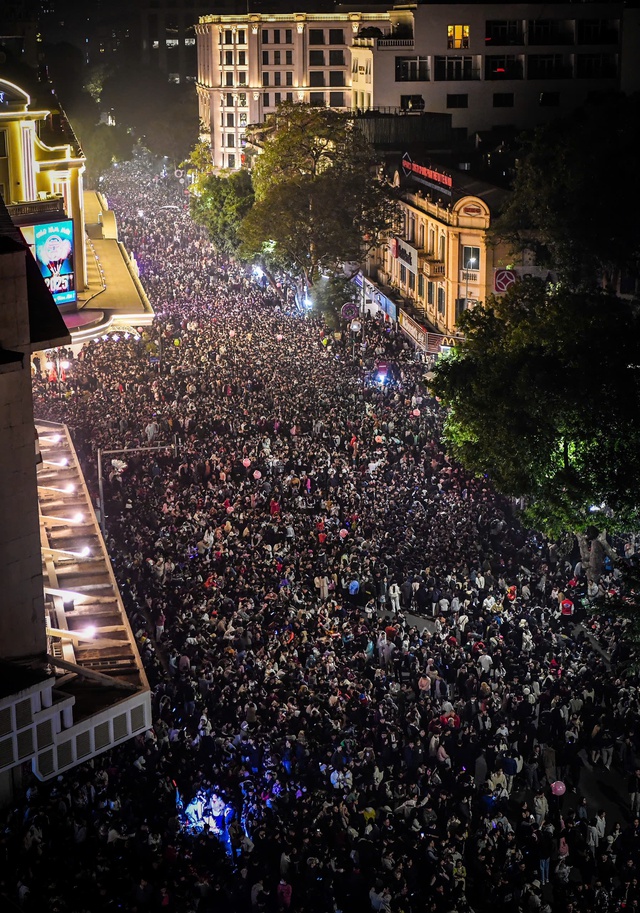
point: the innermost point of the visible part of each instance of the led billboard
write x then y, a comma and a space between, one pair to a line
52, 244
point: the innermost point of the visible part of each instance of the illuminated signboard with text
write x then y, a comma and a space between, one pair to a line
424, 174
52, 246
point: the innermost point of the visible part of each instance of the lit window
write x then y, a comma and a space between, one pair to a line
457, 36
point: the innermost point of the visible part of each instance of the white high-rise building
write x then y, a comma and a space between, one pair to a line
487, 65
249, 64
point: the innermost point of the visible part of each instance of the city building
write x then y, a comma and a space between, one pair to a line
71, 232
71, 681
439, 262
493, 65
248, 64
487, 65
168, 35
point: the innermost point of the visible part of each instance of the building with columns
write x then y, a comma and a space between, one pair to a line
248, 64
507, 65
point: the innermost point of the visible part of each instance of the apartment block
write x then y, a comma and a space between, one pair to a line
249, 64
487, 65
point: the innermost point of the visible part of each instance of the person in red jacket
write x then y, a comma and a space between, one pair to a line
283, 894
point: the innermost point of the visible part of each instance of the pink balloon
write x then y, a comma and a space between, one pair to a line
246, 463
343, 533
416, 412
229, 510
279, 337
257, 474
232, 332
558, 788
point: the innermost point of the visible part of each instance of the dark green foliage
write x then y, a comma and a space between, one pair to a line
543, 395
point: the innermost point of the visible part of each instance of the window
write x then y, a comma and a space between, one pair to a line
412, 69
3, 143
288, 36
277, 79
228, 79
457, 101
242, 101
242, 79
288, 78
403, 274
229, 102
265, 79
411, 281
430, 286
288, 58
316, 99
503, 99
336, 99
503, 66
470, 257
231, 140
503, 31
454, 68
336, 36
336, 58
265, 36
457, 36
265, 58
276, 36
242, 58
548, 66
277, 98
228, 58
242, 36
243, 119
549, 99
231, 161
336, 78
412, 102
420, 285
597, 31
228, 36
316, 78
265, 100
231, 119
441, 300
316, 58
316, 36
289, 96
596, 66
276, 58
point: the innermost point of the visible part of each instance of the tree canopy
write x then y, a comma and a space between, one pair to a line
570, 200
543, 396
319, 202
219, 203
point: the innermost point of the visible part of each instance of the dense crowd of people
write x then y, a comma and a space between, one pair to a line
371, 689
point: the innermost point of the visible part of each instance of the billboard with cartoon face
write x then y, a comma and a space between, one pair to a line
52, 244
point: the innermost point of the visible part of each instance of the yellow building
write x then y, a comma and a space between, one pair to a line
440, 262
71, 232
41, 167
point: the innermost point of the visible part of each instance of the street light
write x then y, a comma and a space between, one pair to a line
471, 262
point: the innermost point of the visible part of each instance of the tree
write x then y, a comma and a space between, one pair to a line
319, 202
562, 202
543, 396
220, 203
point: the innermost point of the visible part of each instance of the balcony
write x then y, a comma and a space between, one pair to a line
468, 275
47, 205
433, 269
394, 43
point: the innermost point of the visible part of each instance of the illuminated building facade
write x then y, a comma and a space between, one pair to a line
249, 64
41, 168
487, 65
71, 681
439, 262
